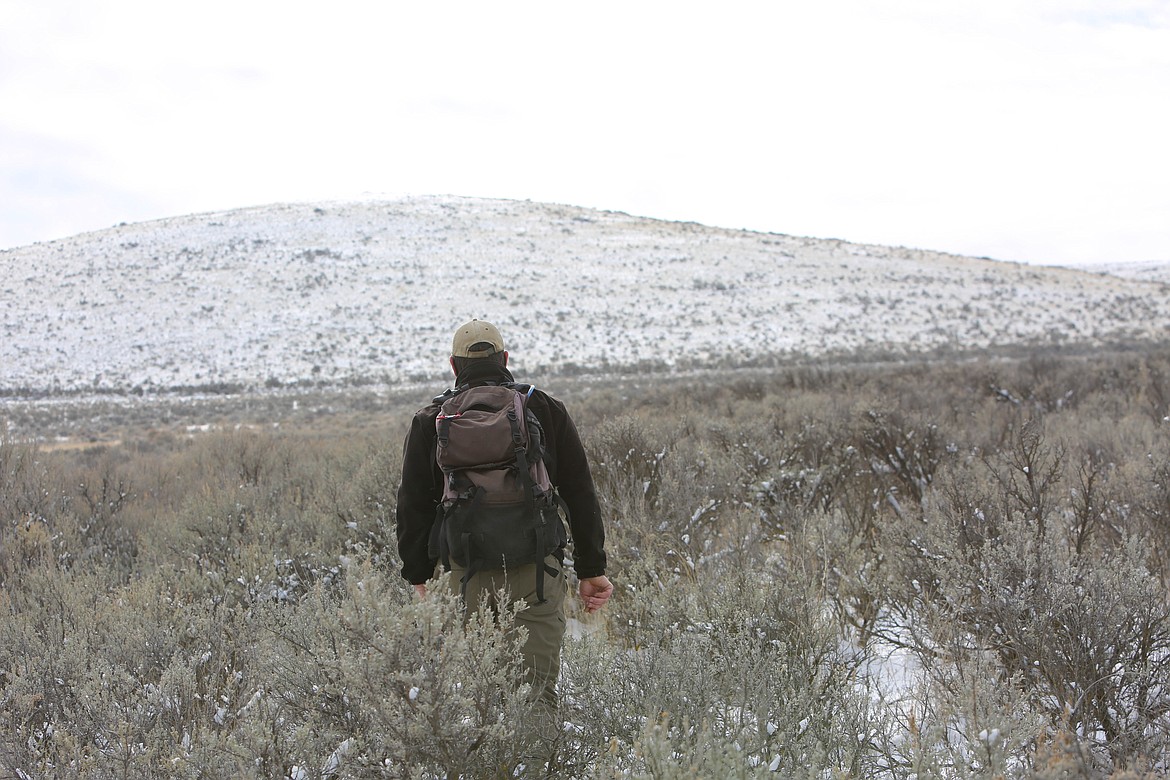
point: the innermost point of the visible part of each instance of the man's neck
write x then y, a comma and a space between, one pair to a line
480, 372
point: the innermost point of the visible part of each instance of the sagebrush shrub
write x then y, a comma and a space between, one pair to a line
923, 570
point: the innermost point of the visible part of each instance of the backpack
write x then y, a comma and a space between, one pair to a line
499, 508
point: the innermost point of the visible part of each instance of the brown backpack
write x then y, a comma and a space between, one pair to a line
499, 509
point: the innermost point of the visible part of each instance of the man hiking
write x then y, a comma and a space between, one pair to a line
490, 513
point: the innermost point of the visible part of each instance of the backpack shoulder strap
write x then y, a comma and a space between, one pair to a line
448, 394
523, 389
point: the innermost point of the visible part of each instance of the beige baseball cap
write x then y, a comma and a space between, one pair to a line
476, 332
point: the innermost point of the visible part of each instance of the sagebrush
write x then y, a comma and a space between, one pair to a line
911, 570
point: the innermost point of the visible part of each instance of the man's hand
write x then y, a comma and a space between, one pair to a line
421, 590
595, 591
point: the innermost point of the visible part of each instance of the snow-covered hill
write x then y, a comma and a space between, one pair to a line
1149, 271
369, 292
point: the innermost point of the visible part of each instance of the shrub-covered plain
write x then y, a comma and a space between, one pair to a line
949, 569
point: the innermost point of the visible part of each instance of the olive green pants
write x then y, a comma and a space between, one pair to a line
545, 622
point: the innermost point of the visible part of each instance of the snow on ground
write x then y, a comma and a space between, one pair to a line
1149, 271
369, 292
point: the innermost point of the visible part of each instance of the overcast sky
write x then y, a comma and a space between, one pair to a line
1030, 130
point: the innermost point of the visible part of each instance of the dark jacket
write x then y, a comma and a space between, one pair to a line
568, 468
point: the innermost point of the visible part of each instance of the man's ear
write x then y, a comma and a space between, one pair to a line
505, 358
454, 370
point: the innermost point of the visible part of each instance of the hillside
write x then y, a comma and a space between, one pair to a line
361, 293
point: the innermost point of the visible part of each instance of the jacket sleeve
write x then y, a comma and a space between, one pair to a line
418, 497
570, 474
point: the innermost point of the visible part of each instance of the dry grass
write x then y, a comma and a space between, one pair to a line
226, 603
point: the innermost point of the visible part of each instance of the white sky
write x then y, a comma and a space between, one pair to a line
1031, 130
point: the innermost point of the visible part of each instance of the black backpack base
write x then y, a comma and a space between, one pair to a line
500, 538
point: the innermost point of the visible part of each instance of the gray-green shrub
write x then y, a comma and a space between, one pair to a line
952, 570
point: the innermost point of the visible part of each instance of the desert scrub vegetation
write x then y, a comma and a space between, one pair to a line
941, 569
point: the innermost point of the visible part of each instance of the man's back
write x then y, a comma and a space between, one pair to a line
479, 360
565, 460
